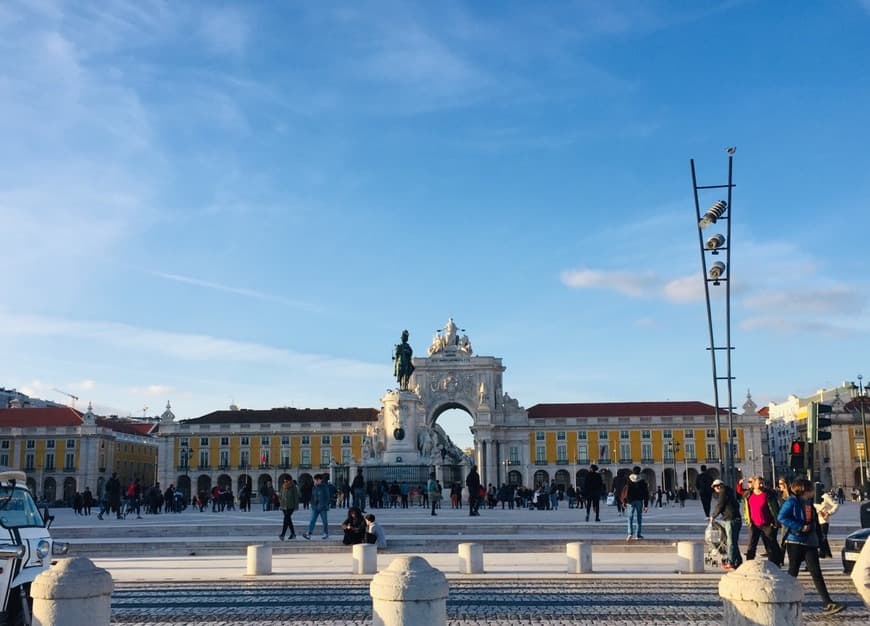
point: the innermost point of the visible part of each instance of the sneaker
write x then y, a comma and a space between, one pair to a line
280, 537
306, 536
628, 539
640, 536
833, 608
325, 537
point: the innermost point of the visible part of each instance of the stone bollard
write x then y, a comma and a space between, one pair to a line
409, 592
75, 592
365, 558
690, 557
758, 593
861, 574
259, 560
470, 558
579, 557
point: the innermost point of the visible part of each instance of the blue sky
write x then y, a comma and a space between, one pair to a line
247, 202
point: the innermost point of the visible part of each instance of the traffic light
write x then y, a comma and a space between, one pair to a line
816, 424
797, 456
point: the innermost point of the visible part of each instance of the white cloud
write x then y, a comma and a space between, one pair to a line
685, 289
630, 284
188, 347
840, 299
153, 390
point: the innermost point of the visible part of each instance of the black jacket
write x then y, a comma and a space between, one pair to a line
727, 505
637, 490
593, 486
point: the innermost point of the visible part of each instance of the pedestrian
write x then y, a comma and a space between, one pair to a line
620, 492
798, 516
825, 509
87, 500
319, 507
289, 502
728, 507
472, 481
636, 502
592, 489
760, 512
704, 486
433, 491
113, 494
374, 532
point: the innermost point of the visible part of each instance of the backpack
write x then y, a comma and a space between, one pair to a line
623, 494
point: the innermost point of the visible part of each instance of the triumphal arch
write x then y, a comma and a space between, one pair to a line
451, 376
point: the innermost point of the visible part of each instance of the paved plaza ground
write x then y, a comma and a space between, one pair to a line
312, 581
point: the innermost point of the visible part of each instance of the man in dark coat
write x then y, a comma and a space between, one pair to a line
592, 489
472, 481
704, 485
113, 494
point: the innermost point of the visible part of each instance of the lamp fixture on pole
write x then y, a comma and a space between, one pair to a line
716, 273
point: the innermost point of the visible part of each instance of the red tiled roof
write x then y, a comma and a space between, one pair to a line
621, 409
764, 411
130, 427
40, 416
286, 414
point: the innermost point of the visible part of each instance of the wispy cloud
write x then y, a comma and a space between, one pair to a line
839, 299
241, 291
162, 391
788, 326
630, 284
189, 347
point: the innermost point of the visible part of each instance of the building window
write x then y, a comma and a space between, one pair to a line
245, 458
203, 459
325, 456
4, 445
31, 444
264, 441
70, 462
689, 451
246, 441
711, 433
646, 451
581, 436
540, 454
645, 434
562, 453
182, 442
203, 441
50, 444
264, 458
712, 455
604, 452
625, 452
345, 440
225, 458
49, 462
285, 457
306, 457
325, 440
225, 441
346, 459
623, 434
603, 435
582, 453
514, 455
560, 436
540, 436
70, 444
669, 453
688, 434
29, 462
4, 460
306, 440
667, 434
285, 440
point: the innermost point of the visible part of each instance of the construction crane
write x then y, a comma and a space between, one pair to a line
72, 397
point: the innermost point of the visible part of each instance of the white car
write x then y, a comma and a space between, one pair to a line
26, 548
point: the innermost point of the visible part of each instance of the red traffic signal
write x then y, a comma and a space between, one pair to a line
797, 447
798, 458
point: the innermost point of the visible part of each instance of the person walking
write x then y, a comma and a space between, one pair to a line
728, 507
636, 503
798, 516
620, 492
319, 507
592, 489
433, 491
472, 481
704, 487
288, 501
760, 512
358, 487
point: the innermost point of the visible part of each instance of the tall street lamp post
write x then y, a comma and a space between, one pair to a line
860, 399
716, 272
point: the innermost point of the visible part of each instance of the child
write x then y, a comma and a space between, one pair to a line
374, 532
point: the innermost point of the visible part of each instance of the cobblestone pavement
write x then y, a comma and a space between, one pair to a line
691, 601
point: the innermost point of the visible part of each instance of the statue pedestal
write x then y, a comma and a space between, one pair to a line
401, 414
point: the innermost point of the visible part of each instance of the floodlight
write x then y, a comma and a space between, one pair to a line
713, 214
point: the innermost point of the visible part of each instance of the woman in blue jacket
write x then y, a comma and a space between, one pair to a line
798, 517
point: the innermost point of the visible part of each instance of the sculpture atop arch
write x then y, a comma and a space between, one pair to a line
448, 342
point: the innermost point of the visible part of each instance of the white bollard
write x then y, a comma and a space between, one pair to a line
470, 558
365, 558
259, 560
758, 593
410, 592
579, 557
75, 592
690, 557
861, 574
